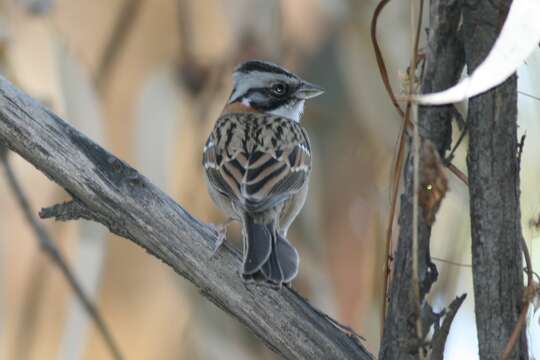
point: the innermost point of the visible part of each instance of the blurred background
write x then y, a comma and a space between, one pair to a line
147, 79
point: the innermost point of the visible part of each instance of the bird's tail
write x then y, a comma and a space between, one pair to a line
269, 257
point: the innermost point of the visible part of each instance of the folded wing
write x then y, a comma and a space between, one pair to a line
257, 162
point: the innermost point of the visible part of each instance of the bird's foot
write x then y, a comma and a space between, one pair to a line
259, 279
221, 231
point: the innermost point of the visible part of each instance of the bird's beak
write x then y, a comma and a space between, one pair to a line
308, 90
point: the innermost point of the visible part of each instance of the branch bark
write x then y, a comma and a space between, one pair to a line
494, 191
444, 62
107, 190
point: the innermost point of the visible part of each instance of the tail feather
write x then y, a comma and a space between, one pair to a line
288, 258
258, 246
272, 268
269, 254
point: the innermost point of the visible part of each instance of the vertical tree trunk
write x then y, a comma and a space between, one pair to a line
494, 191
444, 63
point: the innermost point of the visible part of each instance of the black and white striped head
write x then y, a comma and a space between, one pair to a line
269, 88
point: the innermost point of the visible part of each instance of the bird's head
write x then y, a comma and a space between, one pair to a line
269, 88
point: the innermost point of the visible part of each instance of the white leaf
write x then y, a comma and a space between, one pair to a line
519, 36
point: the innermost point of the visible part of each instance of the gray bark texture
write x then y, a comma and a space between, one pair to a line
107, 190
494, 191
444, 63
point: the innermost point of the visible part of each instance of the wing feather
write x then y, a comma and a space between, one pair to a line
257, 160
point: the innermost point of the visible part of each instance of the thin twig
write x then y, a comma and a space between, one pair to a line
450, 156
460, 174
450, 262
386, 82
390, 226
399, 159
528, 95
379, 57
401, 150
50, 249
520, 150
406, 124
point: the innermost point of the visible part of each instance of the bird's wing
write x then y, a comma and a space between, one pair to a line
257, 160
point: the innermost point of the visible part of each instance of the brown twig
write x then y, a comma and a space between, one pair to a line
450, 157
378, 56
401, 150
406, 124
51, 250
460, 174
390, 226
399, 159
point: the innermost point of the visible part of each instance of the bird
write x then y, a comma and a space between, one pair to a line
257, 164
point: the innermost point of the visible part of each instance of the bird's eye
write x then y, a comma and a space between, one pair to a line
279, 89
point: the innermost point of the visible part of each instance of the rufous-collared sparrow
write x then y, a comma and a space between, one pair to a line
257, 163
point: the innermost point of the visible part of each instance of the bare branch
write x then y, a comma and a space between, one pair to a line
130, 205
439, 337
71, 210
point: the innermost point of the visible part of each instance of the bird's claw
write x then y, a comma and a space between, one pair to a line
221, 231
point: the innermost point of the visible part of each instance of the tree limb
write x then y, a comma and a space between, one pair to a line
494, 191
439, 337
116, 195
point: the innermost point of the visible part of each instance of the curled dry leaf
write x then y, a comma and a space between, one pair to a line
433, 181
519, 36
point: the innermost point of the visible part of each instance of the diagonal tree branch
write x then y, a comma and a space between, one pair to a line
116, 195
440, 336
